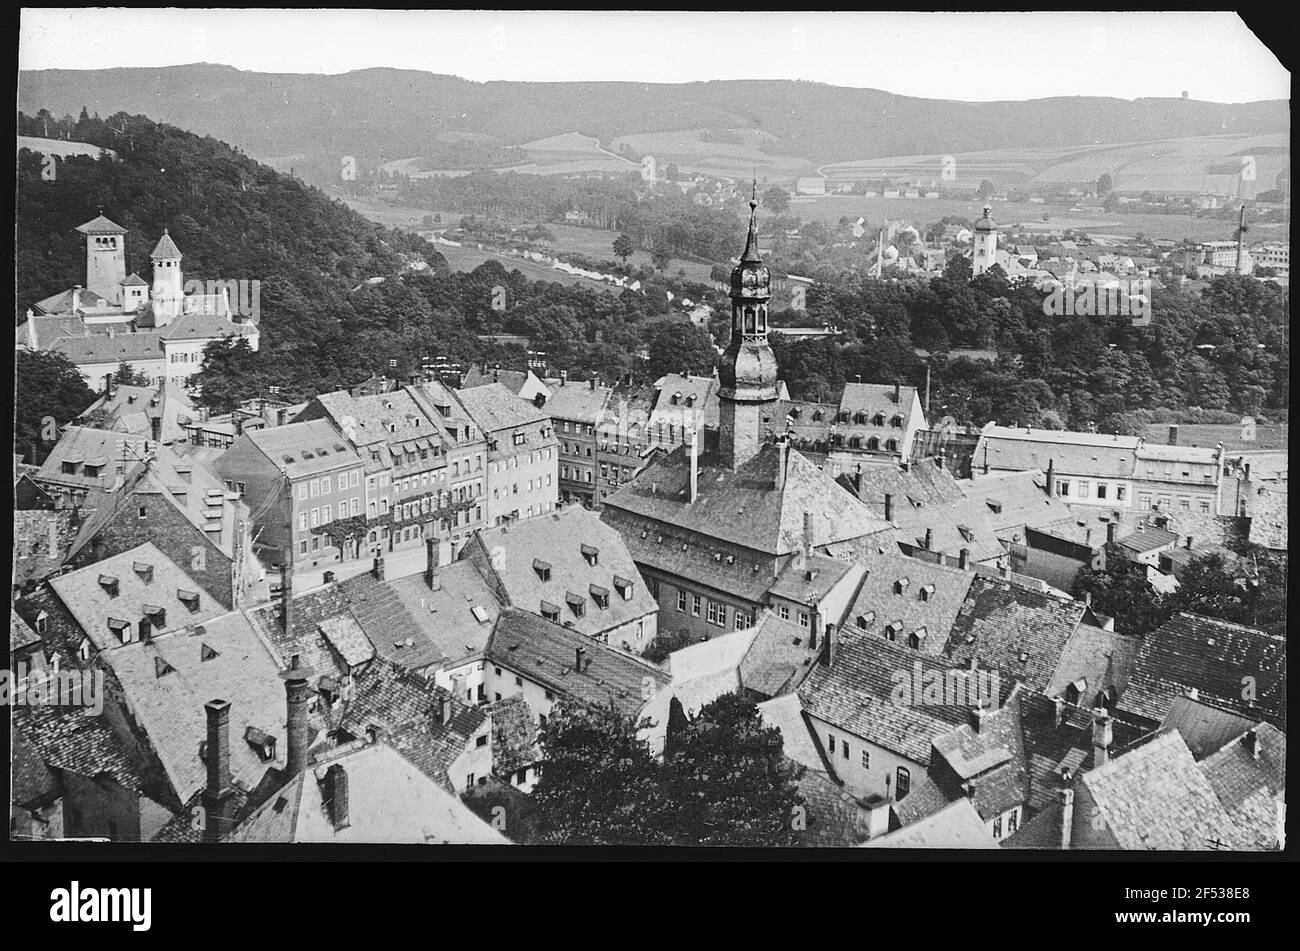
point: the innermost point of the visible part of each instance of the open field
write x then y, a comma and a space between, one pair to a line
736, 161
1193, 164
1208, 434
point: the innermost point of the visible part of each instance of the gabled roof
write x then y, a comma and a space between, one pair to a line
547, 653
924, 596
1249, 777
303, 449
1071, 453
494, 408
202, 326
778, 657
1214, 657
577, 401
955, 826
1155, 797
389, 800
1205, 729
745, 507
74, 740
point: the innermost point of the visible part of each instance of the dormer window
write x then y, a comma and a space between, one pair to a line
543, 569
624, 587
161, 668
207, 653
145, 571
120, 629
865, 621
188, 598
551, 611
893, 629
926, 592
110, 585
817, 416
860, 418
916, 638
900, 585
156, 615
677, 398
994, 507
878, 419
600, 596
577, 604
591, 554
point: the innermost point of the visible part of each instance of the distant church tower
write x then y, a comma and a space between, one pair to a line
747, 373
105, 258
985, 253
168, 289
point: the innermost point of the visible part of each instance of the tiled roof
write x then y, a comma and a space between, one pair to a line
702, 411
110, 348
288, 448
565, 542
1148, 539
20, 633
1155, 797
1204, 729
396, 634
547, 653
1251, 786
310, 610
778, 657
920, 482
744, 507
75, 740
1214, 657
389, 800
41, 542
856, 694
1071, 453
131, 409
201, 326
166, 684
577, 401
1101, 659
833, 817
515, 737
743, 577
809, 580
512, 380
89, 597
80, 445
786, 714
929, 599
955, 826
991, 759
1017, 631
449, 614
494, 408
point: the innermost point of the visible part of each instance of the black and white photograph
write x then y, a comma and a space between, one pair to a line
628, 432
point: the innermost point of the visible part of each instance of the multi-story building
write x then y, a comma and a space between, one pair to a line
299, 480
576, 410
872, 422
465, 450
623, 445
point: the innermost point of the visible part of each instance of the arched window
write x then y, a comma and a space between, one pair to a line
904, 784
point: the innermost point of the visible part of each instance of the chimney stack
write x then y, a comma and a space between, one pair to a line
155, 428
1058, 713
977, 715
1101, 737
782, 455
1251, 743
1110, 533
889, 507
874, 815
807, 536
898, 392
963, 559
1173, 435
695, 466
929, 539
432, 557
1189, 542
578, 655
1067, 816
593, 384
857, 481
217, 792
286, 590
297, 692
828, 646
378, 569
1051, 478
336, 791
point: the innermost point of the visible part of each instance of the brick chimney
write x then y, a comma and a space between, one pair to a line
1101, 737
297, 692
873, 817
432, 557
782, 457
578, 655
1250, 742
1067, 816
857, 480
963, 559
977, 715
378, 569
1110, 533
929, 539
336, 795
1058, 714
889, 507
695, 466
1051, 478
829, 642
807, 536
217, 792
898, 392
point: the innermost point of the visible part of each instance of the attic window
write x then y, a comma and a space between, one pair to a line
188, 598
817, 416
900, 585
144, 571
966, 533
161, 668
624, 587
677, 398
109, 584
995, 507
262, 743
551, 611
206, 653
577, 604
591, 553
156, 615
916, 638
600, 596
542, 568
878, 419
893, 629
864, 621
926, 592
480, 613
121, 629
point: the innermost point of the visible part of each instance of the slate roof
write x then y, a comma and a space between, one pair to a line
547, 653
945, 593
166, 684
494, 408
1189, 651
1155, 797
449, 614
389, 800
778, 657
35, 558
744, 507
1250, 787
121, 347
856, 694
287, 447
91, 604
1015, 630
558, 541
992, 759
744, 577
702, 413
577, 401
955, 826
205, 326
786, 714
131, 409
833, 817
919, 482
1101, 659
1071, 453
1150, 539
1204, 729
20, 633
81, 444
74, 740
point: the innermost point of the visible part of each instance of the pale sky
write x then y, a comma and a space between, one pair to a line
971, 56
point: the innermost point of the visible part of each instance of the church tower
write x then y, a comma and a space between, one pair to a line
105, 258
747, 373
168, 289
985, 253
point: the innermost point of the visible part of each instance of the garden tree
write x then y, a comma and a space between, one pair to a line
986, 189
1120, 590
1120, 424
1251, 591
125, 375
623, 247
776, 201
726, 778
1104, 183
600, 786
676, 346
48, 393
660, 258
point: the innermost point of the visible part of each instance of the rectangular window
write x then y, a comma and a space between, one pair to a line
1101, 490
904, 785
315, 488
315, 517
302, 521
803, 618
1121, 493
681, 600
1063, 487
302, 490
695, 605
784, 612
997, 828
325, 515
830, 743
1012, 821
325, 486
356, 479
866, 759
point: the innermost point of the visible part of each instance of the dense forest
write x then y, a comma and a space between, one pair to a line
343, 298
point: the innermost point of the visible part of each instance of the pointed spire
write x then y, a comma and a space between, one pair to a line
751, 254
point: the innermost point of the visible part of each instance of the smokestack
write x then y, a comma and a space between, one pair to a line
929, 539
1067, 816
378, 569
695, 465
432, 555
963, 559
336, 789
1101, 737
1173, 435
286, 590
218, 789
889, 507
296, 694
1051, 478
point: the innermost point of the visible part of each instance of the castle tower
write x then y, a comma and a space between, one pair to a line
168, 289
747, 372
105, 257
985, 253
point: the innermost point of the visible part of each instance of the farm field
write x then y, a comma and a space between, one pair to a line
736, 161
